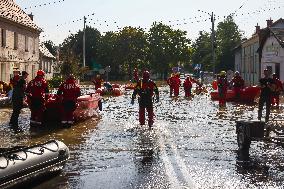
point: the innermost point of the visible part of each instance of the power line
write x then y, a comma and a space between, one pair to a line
76, 20
239, 7
45, 4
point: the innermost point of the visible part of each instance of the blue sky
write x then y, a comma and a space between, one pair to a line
114, 14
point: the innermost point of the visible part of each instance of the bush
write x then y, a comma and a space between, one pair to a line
55, 82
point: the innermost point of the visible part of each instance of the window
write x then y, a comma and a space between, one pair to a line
34, 45
27, 68
15, 40
33, 71
3, 72
50, 66
45, 66
26, 43
3, 38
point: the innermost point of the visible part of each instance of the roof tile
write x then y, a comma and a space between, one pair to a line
45, 51
11, 11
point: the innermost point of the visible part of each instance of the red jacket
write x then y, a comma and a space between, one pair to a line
70, 90
14, 80
279, 86
176, 81
187, 84
37, 87
170, 81
146, 88
98, 83
222, 84
238, 81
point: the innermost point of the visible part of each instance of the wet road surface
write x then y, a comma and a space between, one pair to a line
192, 145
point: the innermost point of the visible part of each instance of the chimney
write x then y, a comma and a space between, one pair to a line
257, 29
269, 22
31, 16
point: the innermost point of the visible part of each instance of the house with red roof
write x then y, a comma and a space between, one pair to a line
19, 41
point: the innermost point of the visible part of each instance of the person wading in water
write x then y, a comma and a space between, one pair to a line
146, 88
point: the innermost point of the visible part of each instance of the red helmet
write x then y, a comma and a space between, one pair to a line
146, 75
40, 73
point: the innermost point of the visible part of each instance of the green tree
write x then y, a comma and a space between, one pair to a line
159, 50
131, 48
228, 37
107, 54
202, 51
167, 48
74, 42
71, 65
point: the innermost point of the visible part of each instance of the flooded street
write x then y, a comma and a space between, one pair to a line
192, 145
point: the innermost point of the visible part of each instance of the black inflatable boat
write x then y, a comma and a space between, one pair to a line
21, 164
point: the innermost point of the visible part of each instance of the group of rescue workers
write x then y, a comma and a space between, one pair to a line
270, 89
37, 93
146, 89
175, 82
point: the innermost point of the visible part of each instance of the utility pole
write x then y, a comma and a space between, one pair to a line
84, 43
213, 41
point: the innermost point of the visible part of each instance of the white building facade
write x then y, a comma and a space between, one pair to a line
19, 41
273, 57
272, 50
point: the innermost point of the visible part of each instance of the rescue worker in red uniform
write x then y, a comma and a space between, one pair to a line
176, 84
187, 85
238, 84
98, 82
276, 93
146, 88
170, 83
37, 90
222, 88
69, 91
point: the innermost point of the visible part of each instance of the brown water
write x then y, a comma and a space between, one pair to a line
192, 145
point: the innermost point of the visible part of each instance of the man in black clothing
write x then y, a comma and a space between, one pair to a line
18, 98
267, 86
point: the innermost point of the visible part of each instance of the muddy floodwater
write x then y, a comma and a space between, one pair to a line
192, 145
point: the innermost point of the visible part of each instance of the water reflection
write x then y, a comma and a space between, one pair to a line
252, 169
190, 139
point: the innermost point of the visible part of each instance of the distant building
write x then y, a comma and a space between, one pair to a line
271, 49
247, 59
19, 41
248, 55
47, 61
